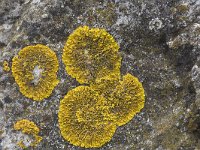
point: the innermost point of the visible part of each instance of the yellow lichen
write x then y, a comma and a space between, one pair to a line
28, 127
105, 86
125, 98
34, 70
88, 115
38, 139
6, 66
84, 118
91, 53
21, 144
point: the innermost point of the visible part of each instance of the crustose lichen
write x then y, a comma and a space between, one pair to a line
125, 97
28, 127
88, 115
34, 70
91, 53
6, 66
84, 118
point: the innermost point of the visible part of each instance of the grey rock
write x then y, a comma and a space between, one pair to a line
159, 42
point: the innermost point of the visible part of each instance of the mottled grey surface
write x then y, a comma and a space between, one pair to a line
159, 42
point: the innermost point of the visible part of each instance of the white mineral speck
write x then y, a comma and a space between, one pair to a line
37, 73
155, 24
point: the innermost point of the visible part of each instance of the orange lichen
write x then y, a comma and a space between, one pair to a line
84, 118
91, 53
34, 70
28, 127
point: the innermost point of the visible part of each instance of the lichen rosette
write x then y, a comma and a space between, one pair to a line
127, 98
124, 97
35, 71
84, 118
91, 53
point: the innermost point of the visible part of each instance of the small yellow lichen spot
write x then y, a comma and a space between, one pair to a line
35, 71
28, 127
84, 118
38, 139
6, 66
91, 53
21, 144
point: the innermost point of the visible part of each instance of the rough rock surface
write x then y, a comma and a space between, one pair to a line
159, 42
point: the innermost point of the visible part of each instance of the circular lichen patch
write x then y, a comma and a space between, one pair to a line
91, 53
35, 71
84, 118
127, 98
124, 97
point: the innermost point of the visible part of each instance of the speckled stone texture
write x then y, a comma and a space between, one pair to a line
159, 42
